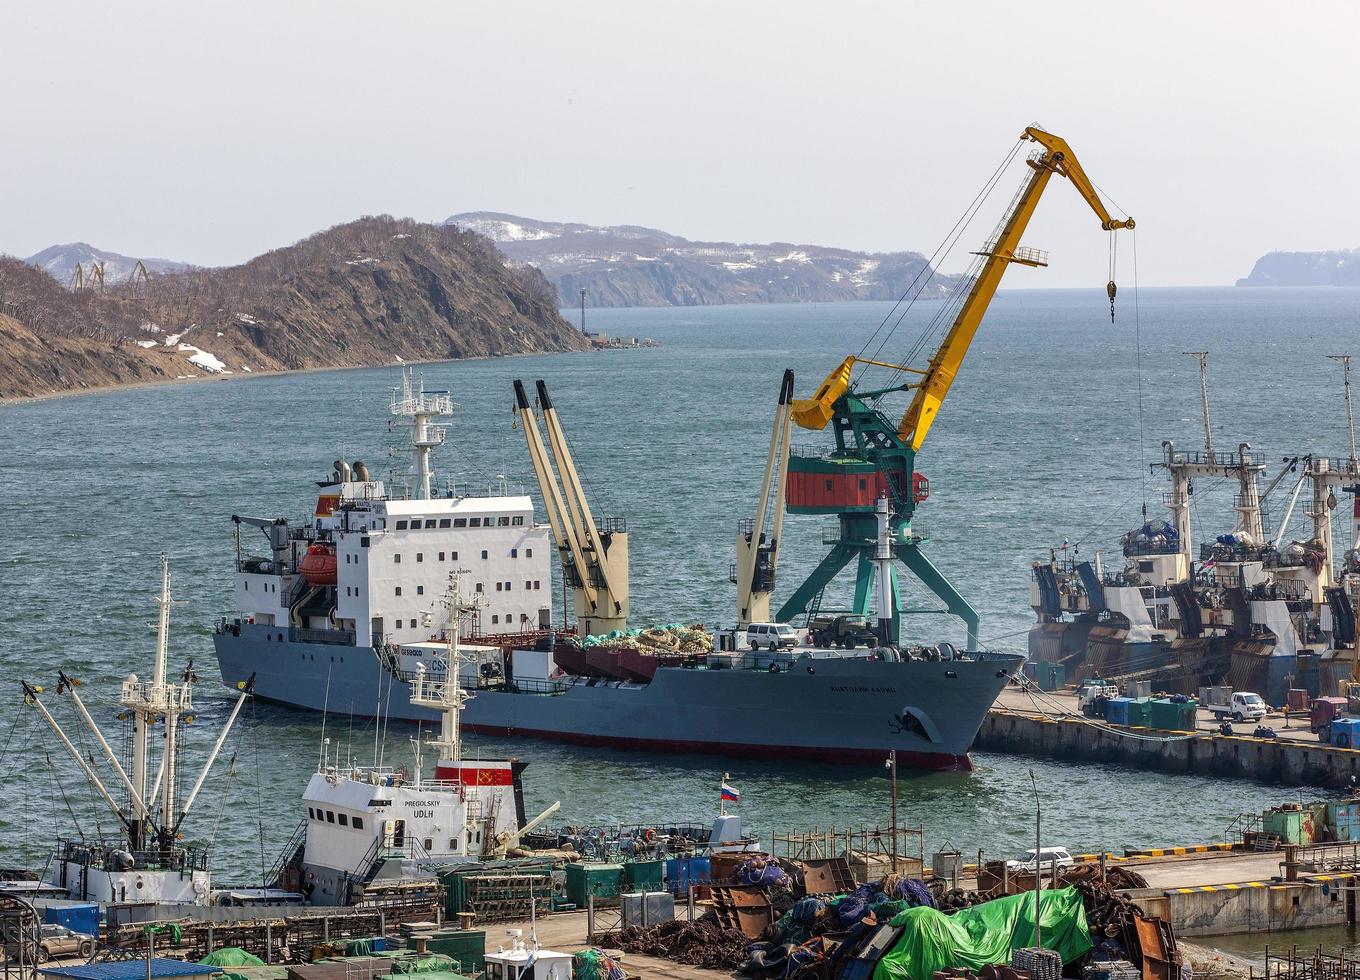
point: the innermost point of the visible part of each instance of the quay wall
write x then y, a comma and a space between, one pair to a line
1259, 906
1278, 761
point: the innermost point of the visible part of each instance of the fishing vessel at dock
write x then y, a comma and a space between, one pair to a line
149, 862
372, 829
1265, 606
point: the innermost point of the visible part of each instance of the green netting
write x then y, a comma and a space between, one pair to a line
433, 963
594, 964
359, 947
984, 934
231, 956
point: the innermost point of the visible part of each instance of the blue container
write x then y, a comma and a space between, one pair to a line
81, 917
683, 872
1117, 711
1346, 732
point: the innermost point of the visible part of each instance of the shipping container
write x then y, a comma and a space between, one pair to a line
644, 876
683, 872
601, 880
1117, 711
82, 917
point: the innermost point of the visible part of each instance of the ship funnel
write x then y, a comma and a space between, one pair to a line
360, 471
341, 471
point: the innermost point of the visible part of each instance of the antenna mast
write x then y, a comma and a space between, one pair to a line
1345, 360
422, 407
447, 695
1203, 356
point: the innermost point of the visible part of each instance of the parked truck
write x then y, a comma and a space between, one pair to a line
1224, 702
1326, 710
1091, 698
847, 631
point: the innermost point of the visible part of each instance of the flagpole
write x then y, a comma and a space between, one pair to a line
722, 797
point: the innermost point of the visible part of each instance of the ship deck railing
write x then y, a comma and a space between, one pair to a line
1147, 549
1227, 460
99, 854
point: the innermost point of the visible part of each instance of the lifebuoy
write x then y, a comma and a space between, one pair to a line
649, 835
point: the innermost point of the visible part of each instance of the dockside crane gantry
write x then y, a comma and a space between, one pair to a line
874, 458
594, 554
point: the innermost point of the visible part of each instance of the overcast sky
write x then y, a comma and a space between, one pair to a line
210, 132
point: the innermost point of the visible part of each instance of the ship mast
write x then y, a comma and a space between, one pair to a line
422, 407
447, 695
147, 703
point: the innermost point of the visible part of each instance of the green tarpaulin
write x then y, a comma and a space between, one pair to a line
984, 934
433, 963
231, 956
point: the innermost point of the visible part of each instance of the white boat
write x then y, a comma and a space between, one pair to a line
148, 863
368, 824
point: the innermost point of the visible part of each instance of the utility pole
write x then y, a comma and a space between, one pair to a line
1203, 356
891, 766
1038, 932
1345, 360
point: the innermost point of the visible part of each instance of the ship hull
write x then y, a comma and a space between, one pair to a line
845, 710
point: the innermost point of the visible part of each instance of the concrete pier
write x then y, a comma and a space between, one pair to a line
1295, 758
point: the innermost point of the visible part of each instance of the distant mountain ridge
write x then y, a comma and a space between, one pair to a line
60, 261
630, 265
375, 291
1340, 267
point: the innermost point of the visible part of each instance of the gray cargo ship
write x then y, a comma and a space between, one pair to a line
337, 617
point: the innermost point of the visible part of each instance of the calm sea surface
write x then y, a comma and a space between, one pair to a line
1039, 441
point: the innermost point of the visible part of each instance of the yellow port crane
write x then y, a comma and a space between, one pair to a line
874, 458
1056, 158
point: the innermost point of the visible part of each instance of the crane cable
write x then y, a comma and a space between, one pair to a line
949, 310
931, 268
931, 265
1138, 369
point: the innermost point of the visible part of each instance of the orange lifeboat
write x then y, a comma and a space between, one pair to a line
319, 566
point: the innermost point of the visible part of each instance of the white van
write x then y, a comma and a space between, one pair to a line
1048, 857
771, 636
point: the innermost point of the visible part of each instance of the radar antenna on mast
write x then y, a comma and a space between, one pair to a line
422, 408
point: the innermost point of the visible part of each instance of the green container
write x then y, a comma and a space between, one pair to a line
1286, 824
455, 893
1168, 715
644, 876
1049, 676
468, 947
600, 880
1140, 713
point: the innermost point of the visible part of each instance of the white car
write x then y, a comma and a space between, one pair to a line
771, 636
1048, 857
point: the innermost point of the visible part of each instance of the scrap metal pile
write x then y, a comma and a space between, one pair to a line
770, 921
699, 943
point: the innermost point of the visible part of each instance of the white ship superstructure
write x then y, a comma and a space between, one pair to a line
375, 824
367, 568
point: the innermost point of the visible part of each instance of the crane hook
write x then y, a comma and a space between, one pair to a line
1110, 290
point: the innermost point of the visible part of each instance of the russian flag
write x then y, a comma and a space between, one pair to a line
730, 794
